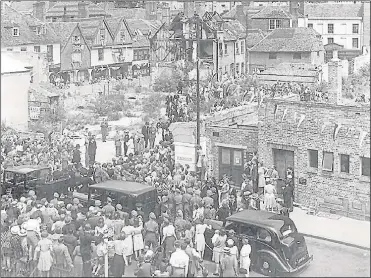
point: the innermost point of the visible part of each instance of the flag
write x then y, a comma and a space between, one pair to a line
284, 114
302, 117
362, 135
275, 110
324, 126
336, 130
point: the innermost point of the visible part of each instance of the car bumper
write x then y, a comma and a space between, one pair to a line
305, 264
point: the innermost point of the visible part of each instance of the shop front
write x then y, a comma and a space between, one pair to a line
142, 69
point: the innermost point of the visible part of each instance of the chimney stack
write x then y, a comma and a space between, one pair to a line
39, 10
335, 79
294, 11
189, 9
65, 18
82, 9
151, 10
240, 15
166, 15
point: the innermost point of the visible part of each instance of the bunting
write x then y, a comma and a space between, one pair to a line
302, 117
324, 126
284, 114
275, 110
362, 135
337, 129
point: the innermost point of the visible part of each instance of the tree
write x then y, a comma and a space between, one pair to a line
357, 85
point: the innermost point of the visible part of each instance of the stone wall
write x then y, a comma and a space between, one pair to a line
349, 191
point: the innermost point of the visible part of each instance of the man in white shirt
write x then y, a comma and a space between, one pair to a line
179, 261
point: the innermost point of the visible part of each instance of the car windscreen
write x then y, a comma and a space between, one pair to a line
284, 224
13, 178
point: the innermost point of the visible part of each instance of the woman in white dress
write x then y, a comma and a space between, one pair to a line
218, 240
261, 177
245, 256
138, 238
43, 255
269, 197
128, 241
200, 236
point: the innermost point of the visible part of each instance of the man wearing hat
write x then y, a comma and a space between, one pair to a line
179, 261
126, 141
151, 236
145, 132
109, 208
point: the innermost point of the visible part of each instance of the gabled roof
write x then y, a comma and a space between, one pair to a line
64, 30
22, 6
290, 40
329, 10
254, 36
233, 30
114, 24
249, 10
146, 27
89, 28
272, 12
127, 13
11, 18
72, 9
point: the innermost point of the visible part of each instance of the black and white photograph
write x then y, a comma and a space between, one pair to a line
185, 138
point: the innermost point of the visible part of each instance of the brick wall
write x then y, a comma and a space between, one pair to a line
263, 24
347, 189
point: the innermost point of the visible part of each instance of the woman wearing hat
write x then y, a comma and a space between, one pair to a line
245, 256
228, 264
43, 254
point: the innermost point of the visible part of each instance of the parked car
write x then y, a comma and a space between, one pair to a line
277, 247
19, 180
126, 193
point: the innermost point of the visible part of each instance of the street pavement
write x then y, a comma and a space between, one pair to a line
329, 260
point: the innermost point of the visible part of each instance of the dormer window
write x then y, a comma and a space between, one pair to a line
15, 32
38, 30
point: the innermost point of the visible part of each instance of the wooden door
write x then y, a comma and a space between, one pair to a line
231, 164
282, 160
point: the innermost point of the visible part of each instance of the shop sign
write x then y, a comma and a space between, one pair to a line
34, 113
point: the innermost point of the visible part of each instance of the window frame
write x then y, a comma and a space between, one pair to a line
347, 167
37, 47
310, 25
122, 36
272, 56
102, 36
296, 57
362, 166
323, 161
100, 54
357, 27
355, 40
23, 48
328, 40
15, 34
310, 152
242, 47
332, 29
243, 68
225, 49
237, 48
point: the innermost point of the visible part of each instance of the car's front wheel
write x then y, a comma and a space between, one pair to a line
266, 265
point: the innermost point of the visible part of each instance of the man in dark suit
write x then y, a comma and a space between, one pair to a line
145, 132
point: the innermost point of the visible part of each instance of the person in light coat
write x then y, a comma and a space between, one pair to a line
245, 256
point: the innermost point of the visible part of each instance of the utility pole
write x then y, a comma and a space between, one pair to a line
198, 80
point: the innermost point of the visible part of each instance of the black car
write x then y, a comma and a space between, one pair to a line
277, 247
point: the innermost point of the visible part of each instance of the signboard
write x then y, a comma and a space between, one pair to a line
185, 154
34, 113
143, 70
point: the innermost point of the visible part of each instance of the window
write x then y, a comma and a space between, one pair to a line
237, 48
54, 19
100, 54
232, 69
355, 28
237, 156
237, 68
243, 68
330, 28
225, 49
317, 53
9, 49
220, 49
310, 25
365, 164
344, 163
102, 34
328, 161
49, 52
15, 32
297, 56
330, 40
226, 156
272, 56
355, 42
275, 24
38, 30
23, 48
36, 48
313, 158
76, 39
76, 57
122, 36
242, 47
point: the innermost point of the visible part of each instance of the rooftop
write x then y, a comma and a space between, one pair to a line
27, 24
332, 10
272, 12
233, 30
72, 9
63, 29
290, 40
131, 188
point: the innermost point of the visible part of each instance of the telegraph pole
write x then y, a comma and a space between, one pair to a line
198, 81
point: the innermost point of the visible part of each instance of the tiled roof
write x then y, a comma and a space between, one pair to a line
233, 30
72, 9
22, 6
144, 26
89, 28
63, 29
253, 37
114, 23
328, 10
250, 10
11, 18
127, 13
273, 12
290, 40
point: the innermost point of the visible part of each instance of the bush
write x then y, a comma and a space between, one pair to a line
167, 82
114, 116
152, 105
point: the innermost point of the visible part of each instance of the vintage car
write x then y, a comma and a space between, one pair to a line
126, 193
277, 247
18, 180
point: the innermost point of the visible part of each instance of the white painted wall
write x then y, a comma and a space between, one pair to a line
108, 59
14, 99
30, 49
343, 30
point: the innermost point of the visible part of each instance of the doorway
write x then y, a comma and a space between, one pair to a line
283, 159
231, 164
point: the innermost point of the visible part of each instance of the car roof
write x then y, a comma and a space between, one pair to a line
127, 187
25, 169
260, 218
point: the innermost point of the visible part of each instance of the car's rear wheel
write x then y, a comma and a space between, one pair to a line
266, 265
